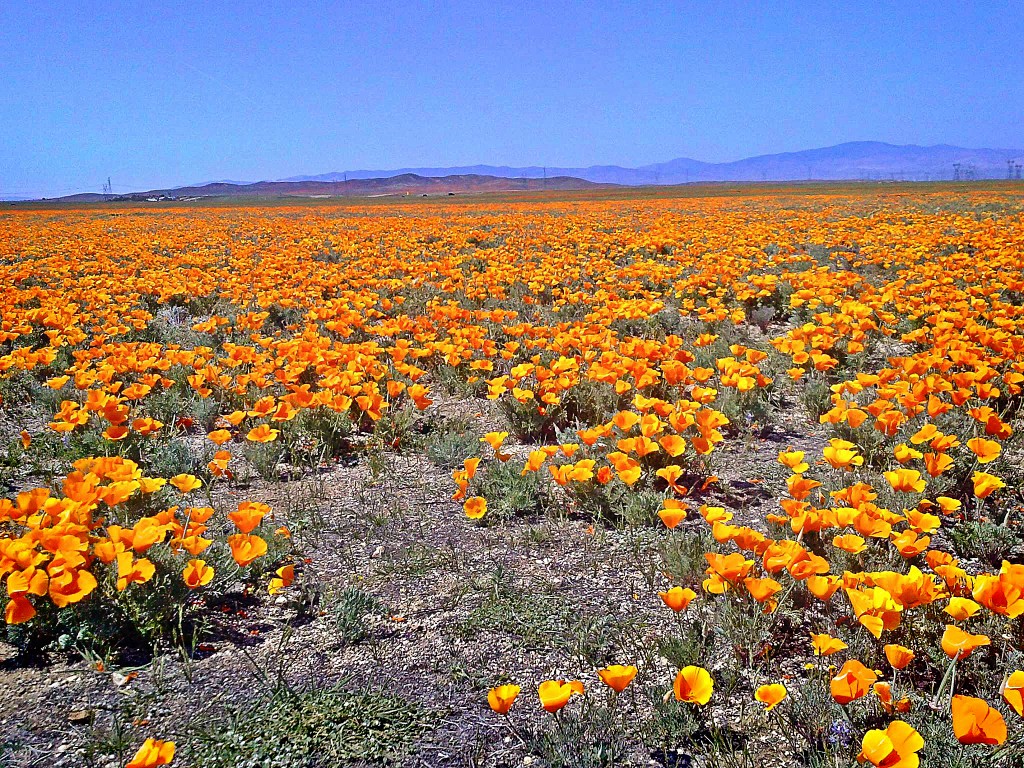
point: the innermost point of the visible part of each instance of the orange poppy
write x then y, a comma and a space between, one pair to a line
152, 753
555, 694
617, 677
959, 644
898, 656
197, 573
501, 698
975, 722
186, 483
1012, 691
475, 507
246, 547
895, 747
852, 682
677, 598
262, 433
770, 695
693, 685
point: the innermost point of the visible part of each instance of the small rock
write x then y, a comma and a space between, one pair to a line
119, 680
81, 716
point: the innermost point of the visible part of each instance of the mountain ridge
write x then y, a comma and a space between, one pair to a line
864, 160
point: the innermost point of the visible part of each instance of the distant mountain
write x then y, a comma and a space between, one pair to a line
856, 160
403, 184
869, 160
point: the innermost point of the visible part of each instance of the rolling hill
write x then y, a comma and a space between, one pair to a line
402, 184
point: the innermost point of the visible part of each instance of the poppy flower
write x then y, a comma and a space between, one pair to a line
985, 484
186, 483
905, 480
826, 645
842, 454
555, 694
985, 450
197, 573
852, 682
670, 475
770, 695
898, 656
153, 753
617, 677
131, 571
1002, 593
246, 547
71, 585
762, 590
975, 722
475, 507
262, 433
794, 461
693, 685
904, 453
495, 440
961, 608
850, 543
959, 644
19, 609
283, 578
673, 445
115, 432
673, 512
249, 515
1012, 691
501, 698
895, 747
219, 436
677, 598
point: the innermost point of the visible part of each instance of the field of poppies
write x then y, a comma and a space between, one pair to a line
732, 479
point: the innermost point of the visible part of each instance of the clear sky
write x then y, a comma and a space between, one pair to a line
160, 94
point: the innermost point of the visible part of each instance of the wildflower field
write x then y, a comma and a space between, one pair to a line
731, 479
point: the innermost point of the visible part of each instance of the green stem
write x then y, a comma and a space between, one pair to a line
950, 673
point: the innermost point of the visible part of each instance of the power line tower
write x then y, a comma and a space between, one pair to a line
1009, 170
108, 188
956, 172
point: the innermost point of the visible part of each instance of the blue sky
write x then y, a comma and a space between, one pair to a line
159, 94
